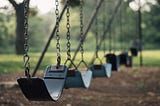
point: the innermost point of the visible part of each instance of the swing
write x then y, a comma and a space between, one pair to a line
99, 70
134, 51
37, 89
136, 45
77, 78
51, 86
112, 58
123, 58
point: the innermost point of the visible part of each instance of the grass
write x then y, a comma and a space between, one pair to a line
12, 63
150, 58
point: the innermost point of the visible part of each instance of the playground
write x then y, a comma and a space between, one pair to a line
65, 57
129, 87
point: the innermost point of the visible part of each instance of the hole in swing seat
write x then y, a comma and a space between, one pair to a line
97, 66
71, 72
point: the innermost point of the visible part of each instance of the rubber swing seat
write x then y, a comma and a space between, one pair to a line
134, 51
79, 79
46, 89
123, 58
113, 60
100, 70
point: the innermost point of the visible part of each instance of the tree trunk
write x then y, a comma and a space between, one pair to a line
19, 29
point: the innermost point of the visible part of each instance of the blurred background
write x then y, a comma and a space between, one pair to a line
42, 21
137, 85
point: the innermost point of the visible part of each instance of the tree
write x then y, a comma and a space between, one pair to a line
3, 31
19, 8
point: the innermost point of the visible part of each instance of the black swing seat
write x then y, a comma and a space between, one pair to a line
34, 89
49, 88
79, 79
134, 51
113, 60
123, 58
99, 70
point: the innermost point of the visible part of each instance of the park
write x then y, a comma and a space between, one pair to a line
79, 53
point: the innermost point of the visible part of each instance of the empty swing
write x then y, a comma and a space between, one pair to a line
135, 44
123, 56
112, 58
51, 86
134, 51
75, 78
99, 70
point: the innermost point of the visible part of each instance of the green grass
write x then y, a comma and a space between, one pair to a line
12, 63
150, 58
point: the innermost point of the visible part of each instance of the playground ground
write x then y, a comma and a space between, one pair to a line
129, 87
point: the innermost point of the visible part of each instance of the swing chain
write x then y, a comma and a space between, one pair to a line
104, 27
26, 40
96, 35
81, 29
57, 34
68, 32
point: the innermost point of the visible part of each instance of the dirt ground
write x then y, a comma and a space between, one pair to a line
129, 87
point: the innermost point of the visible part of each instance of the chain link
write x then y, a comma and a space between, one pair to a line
68, 32
57, 33
81, 28
26, 38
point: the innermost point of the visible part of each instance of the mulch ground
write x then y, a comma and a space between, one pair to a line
129, 87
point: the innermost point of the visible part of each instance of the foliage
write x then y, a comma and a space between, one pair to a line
7, 27
40, 27
39, 30
151, 21
3, 30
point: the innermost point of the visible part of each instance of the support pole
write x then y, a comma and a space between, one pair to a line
140, 34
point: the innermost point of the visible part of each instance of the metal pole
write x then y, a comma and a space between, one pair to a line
48, 42
140, 34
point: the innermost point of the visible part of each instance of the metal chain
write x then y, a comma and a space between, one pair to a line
104, 26
121, 29
110, 39
57, 33
81, 29
96, 35
68, 33
26, 38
